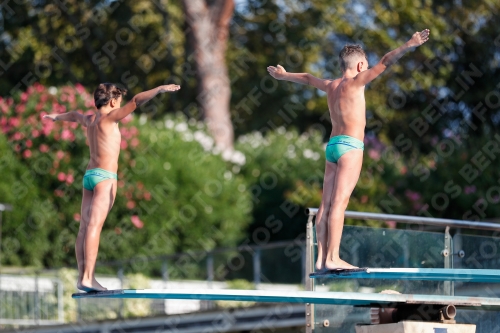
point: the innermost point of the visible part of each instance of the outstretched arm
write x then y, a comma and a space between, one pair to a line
280, 73
390, 58
138, 100
73, 116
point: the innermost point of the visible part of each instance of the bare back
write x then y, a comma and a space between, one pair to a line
346, 102
104, 141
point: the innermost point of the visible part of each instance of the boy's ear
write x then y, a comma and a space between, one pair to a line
359, 67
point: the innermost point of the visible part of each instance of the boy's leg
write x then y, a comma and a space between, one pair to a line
102, 201
80, 239
347, 175
322, 215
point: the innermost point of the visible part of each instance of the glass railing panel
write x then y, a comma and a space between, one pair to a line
283, 265
381, 248
233, 265
477, 252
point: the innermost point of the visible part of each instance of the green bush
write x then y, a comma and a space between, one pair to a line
26, 228
277, 164
285, 173
437, 184
197, 199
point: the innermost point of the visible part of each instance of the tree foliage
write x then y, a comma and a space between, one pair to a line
429, 113
138, 45
143, 44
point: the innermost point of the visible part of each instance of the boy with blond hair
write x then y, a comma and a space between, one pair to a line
344, 151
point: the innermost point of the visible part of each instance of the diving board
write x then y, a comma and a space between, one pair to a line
336, 298
421, 274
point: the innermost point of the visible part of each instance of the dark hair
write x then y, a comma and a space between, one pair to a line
105, 92
348, 54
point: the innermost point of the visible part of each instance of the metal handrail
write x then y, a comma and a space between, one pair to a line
416, 220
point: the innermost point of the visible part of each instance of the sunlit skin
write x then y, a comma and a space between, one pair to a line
104, 142
346, 103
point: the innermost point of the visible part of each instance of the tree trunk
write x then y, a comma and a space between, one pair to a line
208, 22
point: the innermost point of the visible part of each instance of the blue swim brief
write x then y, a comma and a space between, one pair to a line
341, 144
95, 176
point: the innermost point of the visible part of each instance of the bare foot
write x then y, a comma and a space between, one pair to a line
320, 264
338, 264
79, 283
92, 286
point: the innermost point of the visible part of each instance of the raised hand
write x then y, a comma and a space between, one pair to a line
52, 117
277, 72
169, 87
419, 38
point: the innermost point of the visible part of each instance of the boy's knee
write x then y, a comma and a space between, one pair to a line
340, 201
85, 215
95, 223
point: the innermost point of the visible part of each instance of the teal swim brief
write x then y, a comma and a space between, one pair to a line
341, 144
95, 176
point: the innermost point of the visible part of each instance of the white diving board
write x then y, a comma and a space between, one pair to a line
422, 274
337, 298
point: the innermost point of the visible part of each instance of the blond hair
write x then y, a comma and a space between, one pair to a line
349, 54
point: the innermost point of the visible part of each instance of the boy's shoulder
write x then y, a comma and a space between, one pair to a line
88, 119
335, 82
350, 82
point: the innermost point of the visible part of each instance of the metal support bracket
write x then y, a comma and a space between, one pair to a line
447, 253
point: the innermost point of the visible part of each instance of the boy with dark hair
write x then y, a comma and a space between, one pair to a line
100, 180
344, 151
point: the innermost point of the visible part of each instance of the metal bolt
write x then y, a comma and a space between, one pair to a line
461, 253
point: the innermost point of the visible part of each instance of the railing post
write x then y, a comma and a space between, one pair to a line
256, 267
309, 268
37, 301
303, 261
164, 273
122, 303
210, 269
457, 249
79, 310
60, 300
1, 295
210, 277
448, 286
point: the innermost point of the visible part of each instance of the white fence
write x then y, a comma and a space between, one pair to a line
30, 300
